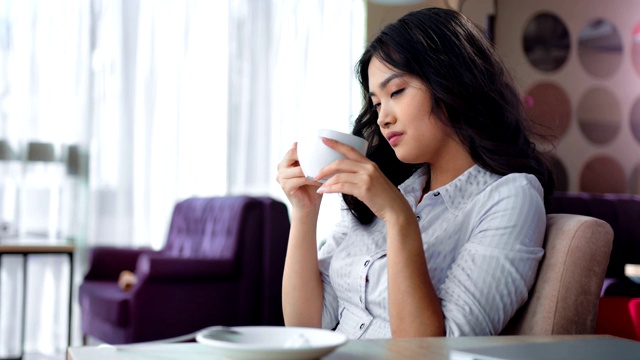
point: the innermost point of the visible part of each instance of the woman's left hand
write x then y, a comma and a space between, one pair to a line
358, 176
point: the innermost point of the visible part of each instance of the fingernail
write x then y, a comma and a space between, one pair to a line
320, 190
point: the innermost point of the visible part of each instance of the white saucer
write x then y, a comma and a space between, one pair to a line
272, 342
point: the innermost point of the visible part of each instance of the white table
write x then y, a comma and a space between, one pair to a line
418, 348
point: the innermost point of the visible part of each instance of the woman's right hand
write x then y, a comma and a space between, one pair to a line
301, 192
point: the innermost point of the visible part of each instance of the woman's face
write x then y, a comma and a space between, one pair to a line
405, 116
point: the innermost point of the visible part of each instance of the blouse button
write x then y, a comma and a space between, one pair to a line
366, 263
418, 217
361, 326
437, 193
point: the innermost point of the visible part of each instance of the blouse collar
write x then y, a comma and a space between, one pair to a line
456, 194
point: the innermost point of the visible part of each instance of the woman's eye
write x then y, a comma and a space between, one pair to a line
376, 106
397, 92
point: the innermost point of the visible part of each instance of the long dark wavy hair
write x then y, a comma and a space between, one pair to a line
472, 93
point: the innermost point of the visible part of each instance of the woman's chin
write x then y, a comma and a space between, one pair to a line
409, 159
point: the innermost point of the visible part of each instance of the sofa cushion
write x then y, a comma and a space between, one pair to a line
202, 228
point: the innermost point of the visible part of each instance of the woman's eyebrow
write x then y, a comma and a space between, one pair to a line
385, 82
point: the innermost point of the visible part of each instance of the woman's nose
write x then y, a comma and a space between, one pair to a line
385, 118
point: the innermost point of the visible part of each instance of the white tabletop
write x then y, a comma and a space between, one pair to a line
423, 348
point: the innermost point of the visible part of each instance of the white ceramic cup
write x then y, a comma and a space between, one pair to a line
313, 154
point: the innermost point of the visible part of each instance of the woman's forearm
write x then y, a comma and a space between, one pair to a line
302, 290
414, 306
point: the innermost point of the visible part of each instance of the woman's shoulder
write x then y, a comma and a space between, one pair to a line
518, 181
516, 189
480, 188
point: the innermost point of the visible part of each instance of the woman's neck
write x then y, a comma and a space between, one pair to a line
444, 172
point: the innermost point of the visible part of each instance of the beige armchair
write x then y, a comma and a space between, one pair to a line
564, 299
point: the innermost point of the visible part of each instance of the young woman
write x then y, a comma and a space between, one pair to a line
444, 218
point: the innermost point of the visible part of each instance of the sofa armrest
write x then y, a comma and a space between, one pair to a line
106, 263
163, 267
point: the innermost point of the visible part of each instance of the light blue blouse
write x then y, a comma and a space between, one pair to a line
482, 236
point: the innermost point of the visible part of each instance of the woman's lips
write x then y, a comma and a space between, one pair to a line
393, 137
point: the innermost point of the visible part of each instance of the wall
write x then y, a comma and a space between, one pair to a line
591, 101
379, 15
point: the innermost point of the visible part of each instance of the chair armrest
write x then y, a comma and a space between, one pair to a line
163, 267
106, 263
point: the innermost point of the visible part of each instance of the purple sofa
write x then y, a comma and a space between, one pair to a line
222, 265
619, 309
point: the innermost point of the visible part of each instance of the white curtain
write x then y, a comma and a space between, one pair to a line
160, 112
167, 99
292, 72
44, 97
